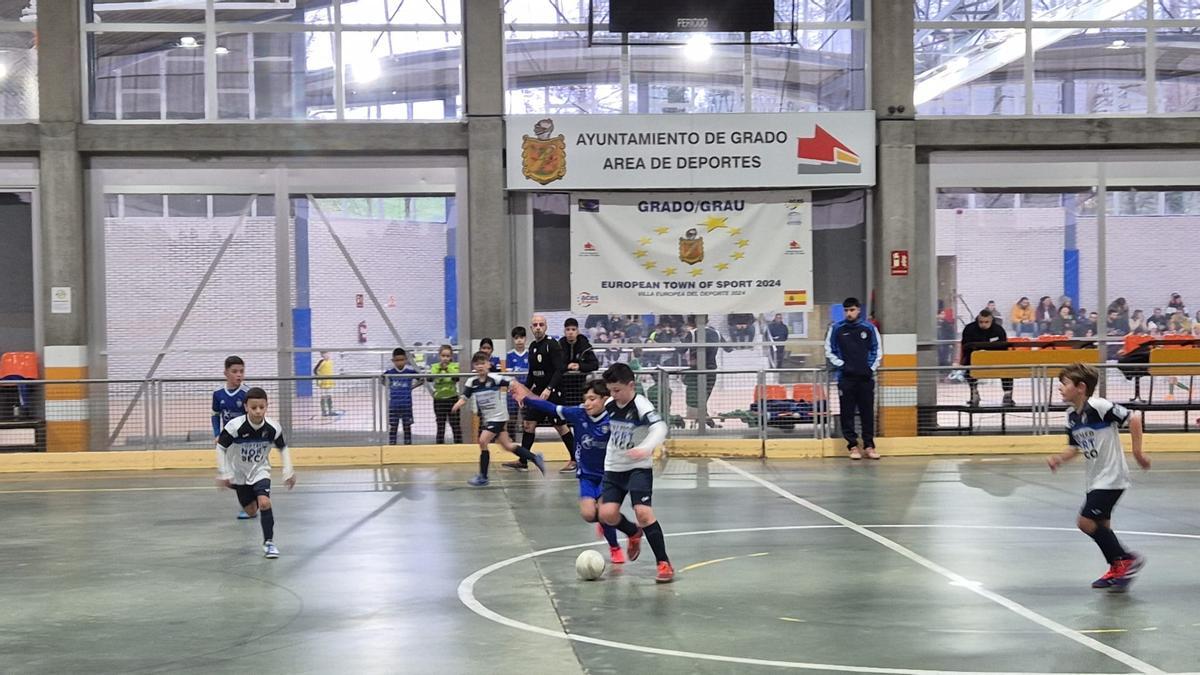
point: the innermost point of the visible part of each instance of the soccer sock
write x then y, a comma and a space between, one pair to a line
527, 439
407, 435
525, 455
267, 517
1106, 539
484, 458
568, 440
654, 535
610, 535
627, 528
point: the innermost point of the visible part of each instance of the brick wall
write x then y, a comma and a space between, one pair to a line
154, 265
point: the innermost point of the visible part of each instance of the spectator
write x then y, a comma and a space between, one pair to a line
1158, 319
946, 331
1118, 316
1137, 323
991, 307
1086, 325
853, 349
1065, 321
578, 360
1121, 307
1045, 314
1180, 324
1023, 322
777, 332
1114, 330
595, 321
1196, 326
976, 336
741, 327
1067, 302
712, 336
634, 330
1176, 303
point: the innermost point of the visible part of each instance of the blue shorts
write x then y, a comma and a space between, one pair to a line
589, 488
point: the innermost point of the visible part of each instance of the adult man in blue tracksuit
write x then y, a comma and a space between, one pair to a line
853, 350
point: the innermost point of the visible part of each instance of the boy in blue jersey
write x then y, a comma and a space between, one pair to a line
590, 424
517, 360
229, 402
400, 407
487, 391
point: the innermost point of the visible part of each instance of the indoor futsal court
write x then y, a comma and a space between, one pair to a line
911, 565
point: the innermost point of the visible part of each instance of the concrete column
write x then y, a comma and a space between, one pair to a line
485, 268
63, 253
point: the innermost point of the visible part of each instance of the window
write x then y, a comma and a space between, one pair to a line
398, 61
1071, 57
18, 62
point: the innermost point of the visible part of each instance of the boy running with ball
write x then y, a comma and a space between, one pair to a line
1094, 429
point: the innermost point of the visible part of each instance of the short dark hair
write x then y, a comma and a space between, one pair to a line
399, 351
444, 348
851, 302
619, 373
256, 393
597, 387
1081, 373
231, 361
519, 331
479, 357
985, 313
488, 342
571, 322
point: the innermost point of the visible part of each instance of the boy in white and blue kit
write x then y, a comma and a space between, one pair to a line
400, 386
1094, 431
488, 392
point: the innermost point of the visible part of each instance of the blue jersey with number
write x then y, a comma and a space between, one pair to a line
591, 435
227, 405
400, 388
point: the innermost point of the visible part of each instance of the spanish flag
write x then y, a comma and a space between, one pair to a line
795, 298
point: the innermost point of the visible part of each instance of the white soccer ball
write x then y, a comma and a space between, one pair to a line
589, 565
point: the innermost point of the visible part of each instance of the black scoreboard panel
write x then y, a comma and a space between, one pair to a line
671, 16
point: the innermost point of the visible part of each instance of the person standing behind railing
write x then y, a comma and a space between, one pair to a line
445, 394
324, 367
777, 332
854, 351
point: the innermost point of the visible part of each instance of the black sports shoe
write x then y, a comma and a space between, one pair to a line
516, 466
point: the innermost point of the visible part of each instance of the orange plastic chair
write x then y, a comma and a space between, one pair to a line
774, 392
20, 364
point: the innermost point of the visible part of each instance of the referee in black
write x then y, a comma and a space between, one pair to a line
544, 379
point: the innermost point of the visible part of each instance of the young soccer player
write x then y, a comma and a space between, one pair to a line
1094, 429
488, 347
516, 360
325, 367
445, 394
590, 424
635, 429
488, 392
229, 402
400, 410
244, 462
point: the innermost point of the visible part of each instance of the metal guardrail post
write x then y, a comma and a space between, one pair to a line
761, 391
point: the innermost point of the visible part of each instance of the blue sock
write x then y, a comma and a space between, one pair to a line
610, 535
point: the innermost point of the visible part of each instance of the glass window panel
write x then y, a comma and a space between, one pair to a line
270, 76
187, 206
395, 12
385, 68
1097, 70
144, 11
1177, 70
541, 11
1041, 200
265, 206
821, 10
143, 206
146, 76
825, 71
956, 10
1177, 9
310, 12
970, 72
1091, 10
112, 205
557, 73
674, 83
18, 76
231, 206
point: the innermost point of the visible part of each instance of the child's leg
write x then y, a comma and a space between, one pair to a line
455, 425
519, 451
268, 517
591, 513
408, 425
1105, 538
393, 423
485, 457
641, 487
440, 413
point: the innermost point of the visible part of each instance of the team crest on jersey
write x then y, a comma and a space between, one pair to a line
691, 248
544, 159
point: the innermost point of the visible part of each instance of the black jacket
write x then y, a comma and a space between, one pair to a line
545, 365
580, 352
974, 338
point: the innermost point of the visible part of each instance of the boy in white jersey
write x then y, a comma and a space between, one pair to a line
1094, 429
244, 462
635, 429
488, 391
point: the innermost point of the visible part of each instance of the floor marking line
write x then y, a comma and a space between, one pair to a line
1015, 607
1105, 630
466, 595
721, 560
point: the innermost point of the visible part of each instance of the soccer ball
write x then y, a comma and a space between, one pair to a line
589, 565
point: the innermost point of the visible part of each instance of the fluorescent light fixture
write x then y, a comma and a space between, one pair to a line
1118, 44
698, 48
3, 71
188, 42
221, 51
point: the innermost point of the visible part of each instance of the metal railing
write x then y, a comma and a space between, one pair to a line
164, 414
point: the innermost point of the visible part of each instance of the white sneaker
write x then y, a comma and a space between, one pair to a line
269, 550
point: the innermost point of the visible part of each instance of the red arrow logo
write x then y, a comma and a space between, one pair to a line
823, 147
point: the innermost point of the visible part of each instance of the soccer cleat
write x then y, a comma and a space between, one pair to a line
616, 555
666, 573
269, 550
515, 466
242, 515
540, 462
1106, 580
479, 480
1124, 573
568, 468
634, 547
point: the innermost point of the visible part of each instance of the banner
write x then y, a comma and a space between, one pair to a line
639, 152
687, 253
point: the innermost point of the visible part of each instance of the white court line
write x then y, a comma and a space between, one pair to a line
954, 577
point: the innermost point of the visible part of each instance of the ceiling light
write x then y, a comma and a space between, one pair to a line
188, 42
221, 51
698, 48
1118, 44
3, 71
